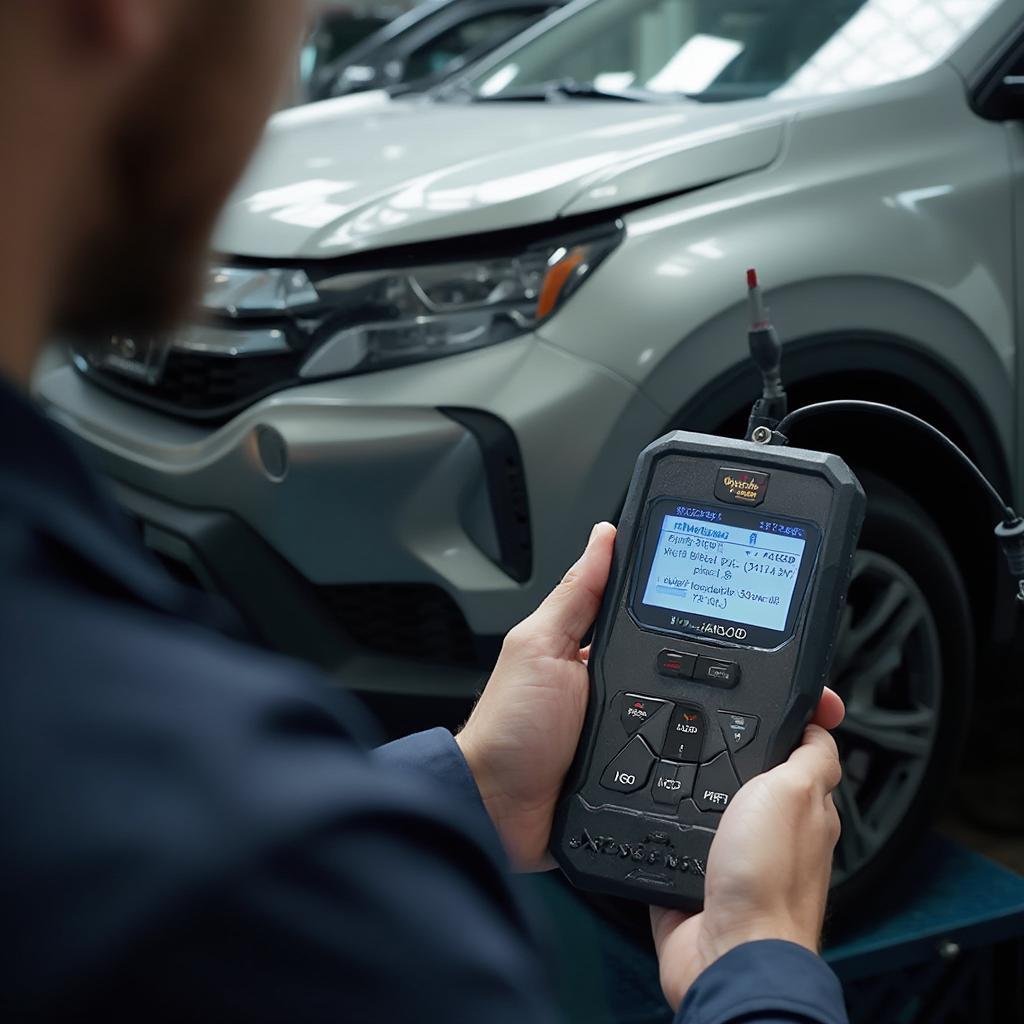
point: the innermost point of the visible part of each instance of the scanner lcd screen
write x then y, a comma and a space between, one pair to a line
706, 566
746, 576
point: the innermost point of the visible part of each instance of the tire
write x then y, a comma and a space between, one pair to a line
905, 666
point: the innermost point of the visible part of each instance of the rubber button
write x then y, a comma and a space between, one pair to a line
676, 665
716, 672
637, 710
654, 730
685, 734
672, 782
630, 768
716, 784
714, 741
739, 729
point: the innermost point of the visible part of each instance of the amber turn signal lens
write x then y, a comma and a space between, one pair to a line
557, 276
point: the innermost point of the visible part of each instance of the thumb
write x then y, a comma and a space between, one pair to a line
570, 609
663, 923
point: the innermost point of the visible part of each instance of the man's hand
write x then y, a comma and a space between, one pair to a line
522, 734
769, 866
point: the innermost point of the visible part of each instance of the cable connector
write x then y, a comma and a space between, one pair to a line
766, 352
1010, 534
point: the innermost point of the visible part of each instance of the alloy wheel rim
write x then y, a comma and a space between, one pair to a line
888, 670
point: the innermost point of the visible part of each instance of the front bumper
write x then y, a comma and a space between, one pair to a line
367, 482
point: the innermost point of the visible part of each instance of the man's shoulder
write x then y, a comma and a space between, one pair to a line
153, 771
83, 650
112, 706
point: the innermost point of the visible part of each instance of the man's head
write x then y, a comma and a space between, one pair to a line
127, 123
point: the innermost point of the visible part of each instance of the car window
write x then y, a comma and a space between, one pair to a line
735, 49
434, 56
334, 35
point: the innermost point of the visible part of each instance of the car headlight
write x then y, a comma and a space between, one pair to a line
365, 320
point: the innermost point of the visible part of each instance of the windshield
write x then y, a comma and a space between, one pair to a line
716, 50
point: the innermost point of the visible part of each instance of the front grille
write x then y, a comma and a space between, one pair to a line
206, 387
417, 621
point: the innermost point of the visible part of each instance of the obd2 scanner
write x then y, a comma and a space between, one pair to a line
709, 656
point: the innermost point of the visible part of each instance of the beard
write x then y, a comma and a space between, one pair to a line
138, 263
167, 167
139, 279
153, 199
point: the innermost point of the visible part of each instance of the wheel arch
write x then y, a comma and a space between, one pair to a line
887, 368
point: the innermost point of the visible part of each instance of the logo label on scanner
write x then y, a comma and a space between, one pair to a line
741, 486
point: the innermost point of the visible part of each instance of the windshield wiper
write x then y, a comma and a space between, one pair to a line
568, 88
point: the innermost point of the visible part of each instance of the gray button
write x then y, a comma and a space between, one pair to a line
739, 729
636, 710
716, 672
716, 784
630, 768
672, 782
654, 730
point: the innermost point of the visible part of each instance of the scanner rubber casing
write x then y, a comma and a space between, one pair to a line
626, 845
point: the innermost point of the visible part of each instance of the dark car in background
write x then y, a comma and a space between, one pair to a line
418, 49
335, 31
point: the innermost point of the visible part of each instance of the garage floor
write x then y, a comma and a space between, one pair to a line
989, 813
1004, 847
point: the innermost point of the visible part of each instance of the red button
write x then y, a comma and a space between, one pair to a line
679, 666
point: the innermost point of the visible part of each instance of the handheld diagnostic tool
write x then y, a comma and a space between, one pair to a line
710, 651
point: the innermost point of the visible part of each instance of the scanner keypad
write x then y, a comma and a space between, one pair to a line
677, 751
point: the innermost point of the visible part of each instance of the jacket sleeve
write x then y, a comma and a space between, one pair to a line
770, 982
366, 887
434, 754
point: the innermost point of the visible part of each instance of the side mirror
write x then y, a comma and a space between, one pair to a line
1011, 96
353, 78
1003, 99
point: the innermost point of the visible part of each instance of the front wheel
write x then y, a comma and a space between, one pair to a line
904, 666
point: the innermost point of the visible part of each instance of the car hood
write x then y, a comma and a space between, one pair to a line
367, 172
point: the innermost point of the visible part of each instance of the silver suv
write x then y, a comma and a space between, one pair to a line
439, 330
